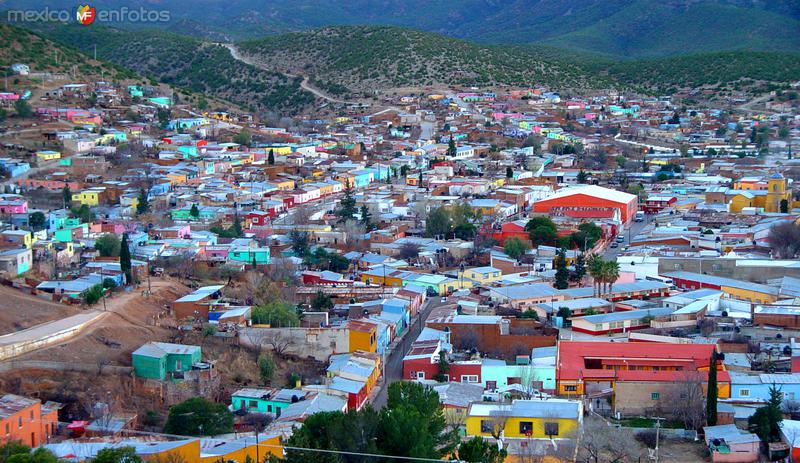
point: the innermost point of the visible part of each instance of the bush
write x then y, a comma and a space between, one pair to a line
266, 367
109, 283
93, 294
647, 438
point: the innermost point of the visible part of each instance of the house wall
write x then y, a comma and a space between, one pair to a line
489, 339
150, 367
566, 427
28, 426
318, 343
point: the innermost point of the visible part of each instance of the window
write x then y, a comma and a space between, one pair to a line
277, 411
269, 408
31, 415
469, 378
598, 326
551, 429
8, 428
487, 426
420, 375
570, 388
491, 385
655, 395
678, 266
253, 404
178, 365
526, 428
744, 392
20, 421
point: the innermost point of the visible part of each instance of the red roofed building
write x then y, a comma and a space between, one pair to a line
589, 200
641, 378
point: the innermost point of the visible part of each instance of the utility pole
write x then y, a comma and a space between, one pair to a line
658, 429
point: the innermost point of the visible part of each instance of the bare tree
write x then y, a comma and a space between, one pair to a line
687, 400
275, 339
784, 239
301, 215
600, 442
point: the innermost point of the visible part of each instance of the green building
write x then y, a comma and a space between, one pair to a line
161, 360
247, 255
265, 400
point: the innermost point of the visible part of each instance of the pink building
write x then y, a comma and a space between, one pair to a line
13, 204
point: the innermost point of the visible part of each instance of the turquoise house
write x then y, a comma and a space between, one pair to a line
68, 234
135, 91
363, 177
162, 360
497, 373
264, 400
247, 255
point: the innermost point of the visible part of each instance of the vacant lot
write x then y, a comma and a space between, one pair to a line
19, 310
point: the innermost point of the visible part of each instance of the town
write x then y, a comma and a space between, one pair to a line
464, 274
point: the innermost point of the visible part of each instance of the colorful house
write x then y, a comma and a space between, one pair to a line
249, 255
269, 401
363, 335
162, 361
47, 155
526, 419
26, 420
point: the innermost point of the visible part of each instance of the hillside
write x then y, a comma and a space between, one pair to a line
362, 58
22, 46
347, 59
187, 63
620, 28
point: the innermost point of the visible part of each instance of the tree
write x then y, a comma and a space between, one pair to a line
347, 206
562, 274
595, 268
509, 172
437, 223
266, 367
143, 205
687, 399
125, 259
23, 108
202, 103
408, 251
444, 367
244, 137
713, 394
542, 231
784, 239
580, 267
621, 160
354, 431
66, 194
93, 294
766, 421
366, 217
610, 273
582, 177
108, 245
321, 301
117, 455
271, 157
3, 115
198, 417
601, 443
515, 247
194, 211
412, 424
37, 220
236, 227
451, 147
276, 314
784, 205
163, 115
299, 242
84, 213
480, 450
587, 235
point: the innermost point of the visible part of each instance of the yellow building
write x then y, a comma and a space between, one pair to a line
525, 419
47, 155
283, 185
482, 275
90, 197
244, 449
752, 193
362, 336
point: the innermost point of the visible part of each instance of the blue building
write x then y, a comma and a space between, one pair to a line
755, 388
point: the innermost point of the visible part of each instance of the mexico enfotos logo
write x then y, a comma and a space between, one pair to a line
87, 14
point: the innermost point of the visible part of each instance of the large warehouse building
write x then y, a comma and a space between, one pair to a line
589, 198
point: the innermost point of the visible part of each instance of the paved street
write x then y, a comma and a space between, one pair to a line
631, 233
394, 362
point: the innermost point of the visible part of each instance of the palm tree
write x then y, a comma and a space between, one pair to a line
595, 268
610, 273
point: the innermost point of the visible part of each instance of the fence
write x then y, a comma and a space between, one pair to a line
13, 365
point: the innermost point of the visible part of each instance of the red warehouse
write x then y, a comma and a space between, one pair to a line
588, 198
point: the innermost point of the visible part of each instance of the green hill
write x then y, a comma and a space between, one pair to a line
361, 58
22, 46
187, 63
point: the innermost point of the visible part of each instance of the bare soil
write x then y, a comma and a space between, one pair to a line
19, 311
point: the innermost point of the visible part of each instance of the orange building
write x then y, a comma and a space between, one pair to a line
27, 420
588, 200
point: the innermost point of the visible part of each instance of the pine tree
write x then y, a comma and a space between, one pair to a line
451, 147
67, 195
509, 172
366, 217
125, 259
562, 274
271, 158
347, 207
580, 267
194, 211
143, 206
712, 395
236, 228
